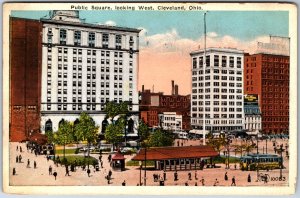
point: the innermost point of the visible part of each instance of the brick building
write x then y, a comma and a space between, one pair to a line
152, 104
25, 77
268, 76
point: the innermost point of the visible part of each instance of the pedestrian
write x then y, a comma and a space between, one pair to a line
21, 149
196, 176
109, 158
101, 164
124, 183
202, 181
175, 176
249, 178
50, 170
190, 176
196, 184
17, 159
225, 177
34, 164
55, 175
233, 181
67, 171
14, 171
17, 148
181, 143
165, 175
28, 163
110, 173
216, 182
20, 158
234, 166
186, 184
88, 172
178, 143
100, 158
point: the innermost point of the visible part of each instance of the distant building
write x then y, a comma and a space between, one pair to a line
170, 121
153, 104
266, 73
217, 89
252, 113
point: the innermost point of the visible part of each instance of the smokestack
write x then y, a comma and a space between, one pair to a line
176, 90
172, 93
143, 88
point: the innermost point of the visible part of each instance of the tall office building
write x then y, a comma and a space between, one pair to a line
217, 89
266, 74
76, 67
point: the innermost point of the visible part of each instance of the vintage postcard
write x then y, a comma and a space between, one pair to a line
150, 98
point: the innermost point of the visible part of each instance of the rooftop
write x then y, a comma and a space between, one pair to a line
166, 153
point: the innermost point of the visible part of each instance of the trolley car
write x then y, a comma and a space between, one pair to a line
261, 162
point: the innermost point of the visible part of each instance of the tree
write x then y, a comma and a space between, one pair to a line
86, 129
216, 143
160, 138
143, 131
114, 109
114, 132
64, 134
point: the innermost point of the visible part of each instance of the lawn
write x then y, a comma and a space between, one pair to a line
80, 160
61, 151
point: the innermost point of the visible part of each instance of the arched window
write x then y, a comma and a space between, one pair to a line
60, 122
48, 125
104, 125
130, 125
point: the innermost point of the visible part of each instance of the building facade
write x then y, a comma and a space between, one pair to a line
268, 76
252, 113
152, 104
25, 78
66, 66
217, 89
170, 121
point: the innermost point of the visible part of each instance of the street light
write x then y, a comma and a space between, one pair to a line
257, 158
281, 162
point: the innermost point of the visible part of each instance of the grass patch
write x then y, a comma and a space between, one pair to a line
221, 159
77, 160
137, 163
68, 151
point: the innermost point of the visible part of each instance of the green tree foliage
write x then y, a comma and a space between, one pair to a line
86, 129
160, 138
216, 143
50, 137
114, 109
143, 131
114, 132
64, 134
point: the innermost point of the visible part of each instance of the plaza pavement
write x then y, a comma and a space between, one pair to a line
40, 177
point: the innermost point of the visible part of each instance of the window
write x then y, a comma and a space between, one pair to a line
194, 63
118, 41
207, 61
239, 62
63, 36
91, 39
105, 39
216, 60
201, 61
231, 61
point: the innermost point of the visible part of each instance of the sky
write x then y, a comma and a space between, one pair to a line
167, 38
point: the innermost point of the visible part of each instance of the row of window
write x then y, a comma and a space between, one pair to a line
216, 103
199, 62
194, 115
217, 109
218, 71
77, 38
238, 97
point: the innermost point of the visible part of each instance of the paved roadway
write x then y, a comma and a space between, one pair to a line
40, 176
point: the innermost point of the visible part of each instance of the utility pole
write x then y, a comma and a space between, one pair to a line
204, 66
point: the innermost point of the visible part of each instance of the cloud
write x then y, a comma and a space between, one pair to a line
165, 57
110, 23
212, 34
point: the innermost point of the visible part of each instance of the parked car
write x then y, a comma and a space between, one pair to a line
85, 148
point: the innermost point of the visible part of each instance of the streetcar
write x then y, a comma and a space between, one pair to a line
252, 162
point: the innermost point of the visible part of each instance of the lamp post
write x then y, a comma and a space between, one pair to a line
145, 174
281, 162
141, 164
257, 162
266, 145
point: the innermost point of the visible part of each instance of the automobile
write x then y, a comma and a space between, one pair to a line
126, 150
86, 148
